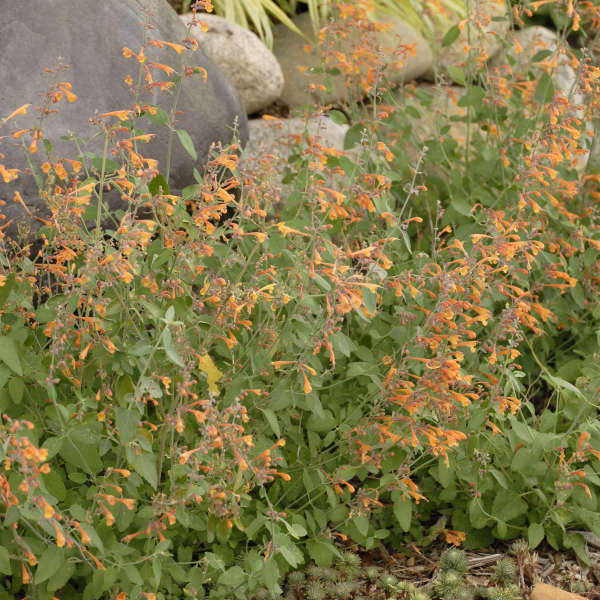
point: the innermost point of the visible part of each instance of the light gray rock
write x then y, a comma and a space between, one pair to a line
241, 55
271, 142
482, 38
289, 49
90, 36
530, 42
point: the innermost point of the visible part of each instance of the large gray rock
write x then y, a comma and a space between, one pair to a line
89, 35
289, 48
242, 56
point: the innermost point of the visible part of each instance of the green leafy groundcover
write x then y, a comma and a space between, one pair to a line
195, 404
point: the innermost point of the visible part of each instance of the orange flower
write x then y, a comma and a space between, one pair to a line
22, 110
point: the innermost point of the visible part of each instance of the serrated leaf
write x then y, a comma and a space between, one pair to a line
321, 552
272, 420
292, 555
187, 143
508, 506
145, 465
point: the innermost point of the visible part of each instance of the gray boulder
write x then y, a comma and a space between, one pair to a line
89, 35
289, 49
242, 56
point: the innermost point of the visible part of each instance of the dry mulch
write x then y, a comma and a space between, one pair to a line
545, 565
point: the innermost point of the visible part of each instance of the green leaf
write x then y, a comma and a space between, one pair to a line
341, 343
450, 36
16, 388
353, 136
362, 524
544, 91
272, 420
54, 484
292, 555
508, 506
159, 118
445, 474
477, 516
558, 382
457, 74
577, 542
110, 166
473, 97
187, 143
461, 206
403, 513
145, 465
321, 552
535, 534
158, 185
5, 567
270, 577
338, 117
79, 450
6, 288
126, 422
50, 562
9, 354
61, 577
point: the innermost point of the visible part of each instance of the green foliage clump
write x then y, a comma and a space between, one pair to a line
198, 404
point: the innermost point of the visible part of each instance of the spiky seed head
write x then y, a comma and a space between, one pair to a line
388, 580
519, 547
454, 560
343, 589
371, 573
296, 577
505, 571
448, 584
451, 577
349, 563
405, 587
313, 571
465, 594
315, 590
324, 573
501, 593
